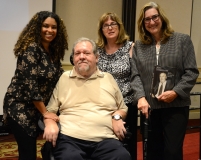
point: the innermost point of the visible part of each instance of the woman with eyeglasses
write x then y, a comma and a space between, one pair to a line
115, 51
161, 49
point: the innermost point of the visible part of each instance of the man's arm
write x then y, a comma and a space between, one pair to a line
118, 124
51, 131
121, 112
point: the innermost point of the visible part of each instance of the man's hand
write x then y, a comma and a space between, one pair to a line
167, 96
51, 131
118, 128
143, 106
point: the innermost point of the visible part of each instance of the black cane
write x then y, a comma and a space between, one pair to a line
145, 138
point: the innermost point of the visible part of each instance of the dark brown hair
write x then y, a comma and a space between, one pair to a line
32, 34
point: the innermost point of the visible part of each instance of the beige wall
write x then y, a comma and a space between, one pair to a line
14, 17
196, 30
178, 12
81, 18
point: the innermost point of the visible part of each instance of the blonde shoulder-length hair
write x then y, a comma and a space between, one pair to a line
122, 37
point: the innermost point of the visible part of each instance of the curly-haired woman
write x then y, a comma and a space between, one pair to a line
39, 49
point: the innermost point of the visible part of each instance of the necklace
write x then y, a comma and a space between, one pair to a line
157, 51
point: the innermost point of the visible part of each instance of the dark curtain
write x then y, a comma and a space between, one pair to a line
129, 16
54, 6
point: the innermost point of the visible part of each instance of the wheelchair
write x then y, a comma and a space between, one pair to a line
47, 148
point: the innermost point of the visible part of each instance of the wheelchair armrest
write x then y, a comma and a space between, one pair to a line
42, 125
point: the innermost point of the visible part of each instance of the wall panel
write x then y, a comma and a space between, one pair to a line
15, 14
81, 18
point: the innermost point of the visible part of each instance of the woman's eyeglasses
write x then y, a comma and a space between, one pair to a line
153, 18
112, 25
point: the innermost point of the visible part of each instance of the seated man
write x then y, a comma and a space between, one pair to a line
91, 111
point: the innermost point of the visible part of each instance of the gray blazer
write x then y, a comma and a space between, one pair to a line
177, 52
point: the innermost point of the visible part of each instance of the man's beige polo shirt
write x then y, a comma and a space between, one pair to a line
86, 105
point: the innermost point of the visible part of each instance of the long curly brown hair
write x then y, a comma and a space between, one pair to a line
32, 34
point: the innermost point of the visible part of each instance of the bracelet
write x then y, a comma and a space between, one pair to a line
45, 113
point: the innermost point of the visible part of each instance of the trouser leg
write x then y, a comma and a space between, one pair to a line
68, 148
168, 128
26, 144
175, 124
110, 149
76, 149
155, 144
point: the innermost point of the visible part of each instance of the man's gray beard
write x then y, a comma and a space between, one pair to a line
83, 69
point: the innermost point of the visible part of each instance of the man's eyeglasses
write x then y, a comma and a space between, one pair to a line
112, 25
153, 18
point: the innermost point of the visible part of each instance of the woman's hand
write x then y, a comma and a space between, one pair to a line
143, 106
50, 115
43, 110
167, 96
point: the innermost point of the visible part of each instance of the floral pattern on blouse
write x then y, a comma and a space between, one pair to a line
34, 80
118, 64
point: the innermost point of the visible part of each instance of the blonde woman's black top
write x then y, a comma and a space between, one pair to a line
118, 65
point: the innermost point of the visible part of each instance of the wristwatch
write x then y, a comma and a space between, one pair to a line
116, 117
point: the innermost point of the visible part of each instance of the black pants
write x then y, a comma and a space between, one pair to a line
26, 144
168, 128
131, 121
76, 149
